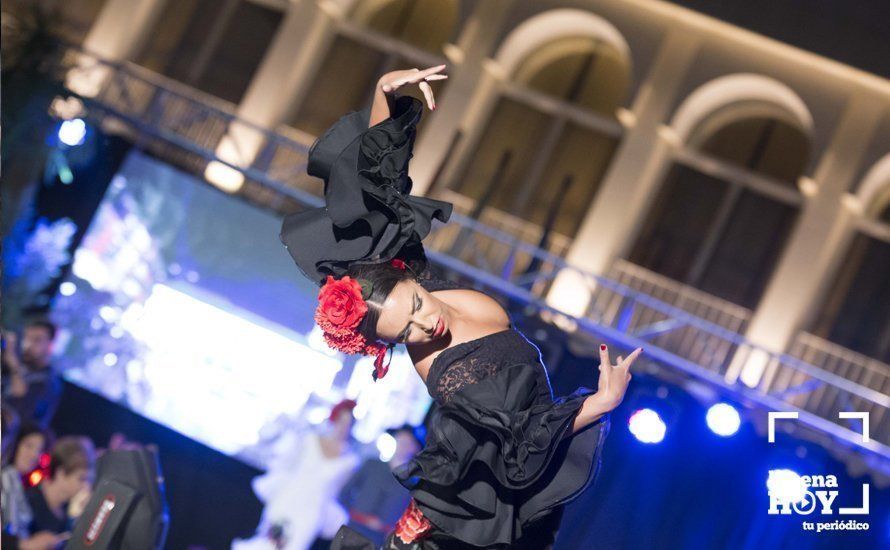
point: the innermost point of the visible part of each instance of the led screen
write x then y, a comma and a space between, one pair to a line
183, 305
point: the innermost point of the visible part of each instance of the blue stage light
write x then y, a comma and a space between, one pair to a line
73, 132
647, 426
67, 288
723, 419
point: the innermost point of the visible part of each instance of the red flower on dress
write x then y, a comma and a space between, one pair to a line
413, 525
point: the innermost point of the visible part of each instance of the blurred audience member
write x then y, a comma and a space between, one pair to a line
10, 429
60, 498
31, 386
374, 498
299, 489
23, 458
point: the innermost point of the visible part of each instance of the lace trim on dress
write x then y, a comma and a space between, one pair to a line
469, 371
472, 361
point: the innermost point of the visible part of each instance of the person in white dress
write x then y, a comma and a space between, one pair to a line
300, 487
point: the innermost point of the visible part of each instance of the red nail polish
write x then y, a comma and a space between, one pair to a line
602, 346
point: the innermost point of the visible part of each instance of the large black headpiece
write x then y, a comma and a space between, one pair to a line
370, 216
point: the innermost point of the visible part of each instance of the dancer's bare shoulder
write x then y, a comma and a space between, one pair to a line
478, 307
481, 315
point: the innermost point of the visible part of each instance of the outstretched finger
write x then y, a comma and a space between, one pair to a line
432, 70
631, 358
604, 355
428, 94
428, 74
418, 75
603, 380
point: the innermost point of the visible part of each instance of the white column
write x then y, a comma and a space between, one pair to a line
117, 35
819, 239
281, 81
122, 27
285, 74
462, 103
632, 179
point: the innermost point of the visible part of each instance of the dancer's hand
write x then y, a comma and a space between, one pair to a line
390, 82
613, 382
614, 379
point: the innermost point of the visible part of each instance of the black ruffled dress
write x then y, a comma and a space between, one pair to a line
500, 460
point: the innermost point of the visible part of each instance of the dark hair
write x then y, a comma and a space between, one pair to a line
45, 324
27, 429
71, 453
383, 278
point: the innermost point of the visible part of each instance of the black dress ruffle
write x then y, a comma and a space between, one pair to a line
500, 456
370, 216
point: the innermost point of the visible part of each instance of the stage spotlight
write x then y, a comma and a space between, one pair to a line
786, 486
647, 426
67, 288
723, 419
73, 132
386, 445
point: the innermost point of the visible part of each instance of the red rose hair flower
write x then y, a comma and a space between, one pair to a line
341, 308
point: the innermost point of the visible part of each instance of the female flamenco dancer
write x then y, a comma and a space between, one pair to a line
502, 456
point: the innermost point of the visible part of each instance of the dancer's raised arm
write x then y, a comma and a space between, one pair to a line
390, 82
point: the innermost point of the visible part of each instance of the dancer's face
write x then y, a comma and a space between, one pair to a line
411, 315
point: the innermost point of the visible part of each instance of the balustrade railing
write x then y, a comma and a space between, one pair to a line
696, 334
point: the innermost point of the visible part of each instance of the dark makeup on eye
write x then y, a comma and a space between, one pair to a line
418, 303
